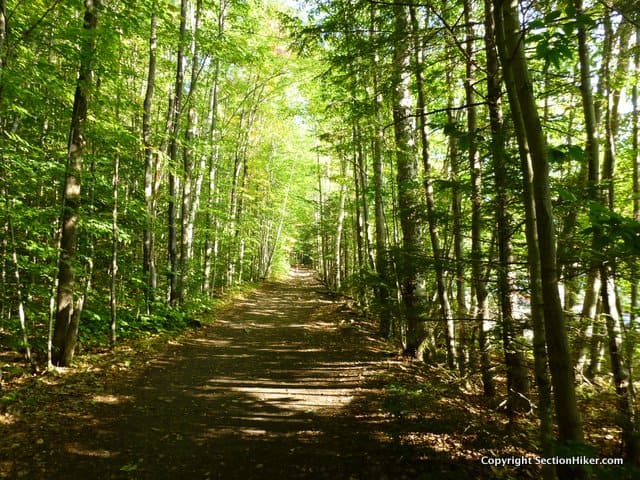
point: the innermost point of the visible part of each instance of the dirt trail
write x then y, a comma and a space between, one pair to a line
281, 386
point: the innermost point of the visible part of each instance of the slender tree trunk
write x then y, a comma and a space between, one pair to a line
358, 192
592, 157
588, 319
633, 327
113, 281
16, 267
510, 43
276, 240
239, 233
4, 30
321, 224
517, 375
626, 408
115, 185
475, 169
174, 272
68, 310
596, 345
338, 246
210, 233
456, 213
381, 260
148, 236
233, 213
443, 299
635, 159
620, 368
363, 176
592, 148
497, 151
407, 179
192, 182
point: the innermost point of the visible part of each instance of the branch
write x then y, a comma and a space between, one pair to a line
438, 110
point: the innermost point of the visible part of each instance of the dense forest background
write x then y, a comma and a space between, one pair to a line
466, 172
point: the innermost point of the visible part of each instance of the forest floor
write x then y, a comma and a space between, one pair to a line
286, 383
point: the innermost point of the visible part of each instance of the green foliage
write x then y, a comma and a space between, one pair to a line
400, 399
615, 234
565, 153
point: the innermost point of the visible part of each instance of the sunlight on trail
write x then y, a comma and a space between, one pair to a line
112, 399
300, 398
79, 449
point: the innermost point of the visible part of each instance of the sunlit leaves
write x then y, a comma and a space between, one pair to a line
614, 233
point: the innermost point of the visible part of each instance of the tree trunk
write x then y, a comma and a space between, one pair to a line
239, 233
381, 259
517, 375
16, 266
211, 234
357, 205
148, 237
4, 33
440, 270
626, 408
587, 319
407, 179
620, 366
192, 181
321, 224
456, 214
113, 281
211, 222
68, 309
635, 159
520, 92
173, 271
115, 185
338, 245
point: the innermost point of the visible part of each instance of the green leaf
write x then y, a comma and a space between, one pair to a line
567, 195
537, 23
129, 467
570, 10
586, 20
552, 16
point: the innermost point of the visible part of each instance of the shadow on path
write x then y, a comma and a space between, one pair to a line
279, 387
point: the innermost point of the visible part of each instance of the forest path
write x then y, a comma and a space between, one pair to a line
283, 385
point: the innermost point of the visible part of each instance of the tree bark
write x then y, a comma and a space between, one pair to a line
635, 159
172, 238
338, 245
457, 234
211, 237
68, 308
434, 235
407, 180
16, 267
148, 236
517, 375
381, 259
520, 92
620, 366
192, 182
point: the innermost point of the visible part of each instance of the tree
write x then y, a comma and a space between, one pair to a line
408, 199
532, 146
150, 169
69, 308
